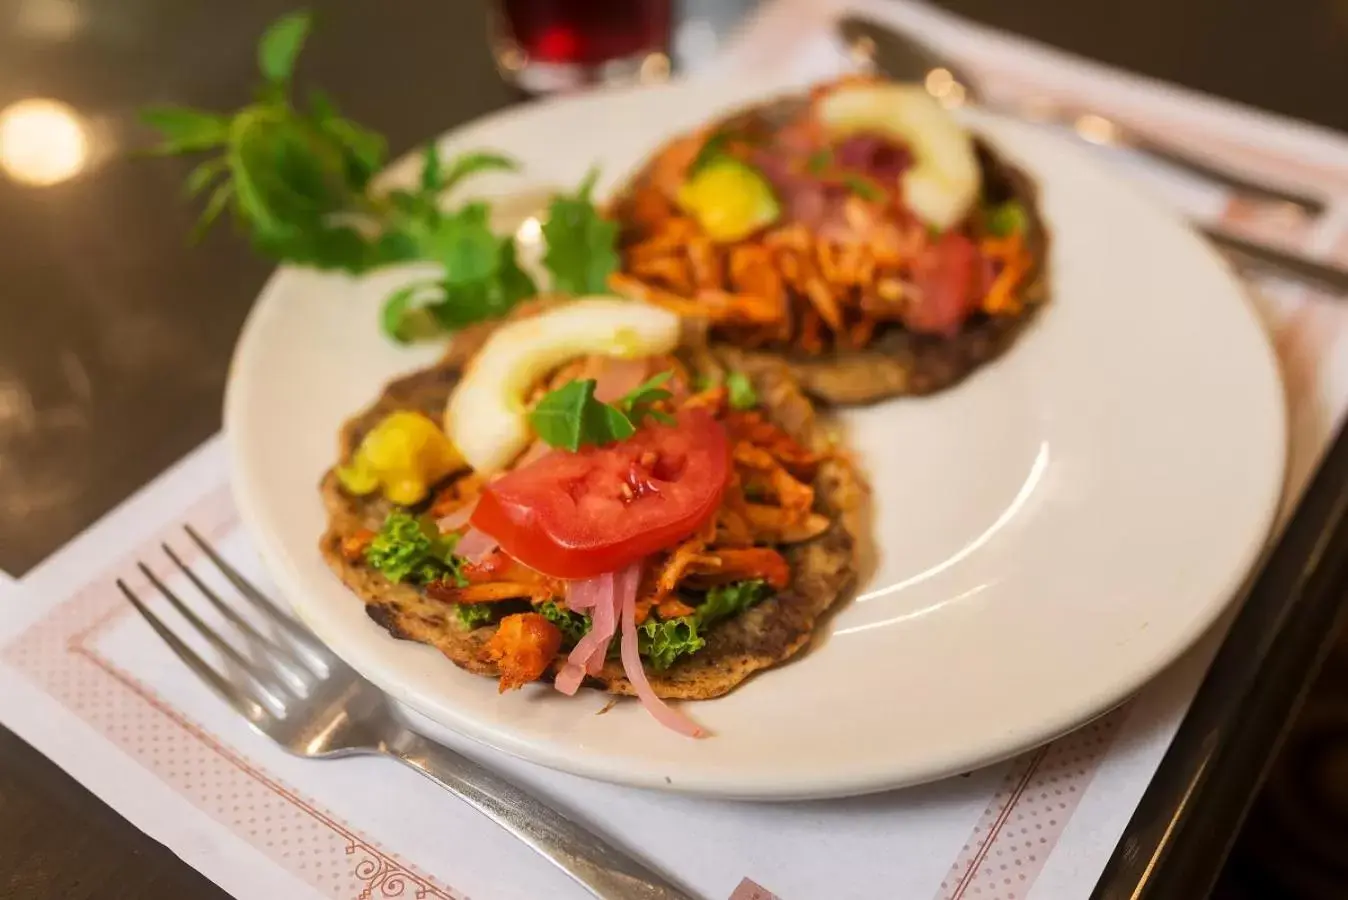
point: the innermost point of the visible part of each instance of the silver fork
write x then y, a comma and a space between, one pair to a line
294, 690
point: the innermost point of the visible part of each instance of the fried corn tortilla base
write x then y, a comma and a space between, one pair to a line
898, 362
823, 570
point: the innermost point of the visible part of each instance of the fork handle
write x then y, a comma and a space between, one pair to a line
599, 867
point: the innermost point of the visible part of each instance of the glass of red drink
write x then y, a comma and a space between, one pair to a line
547, 46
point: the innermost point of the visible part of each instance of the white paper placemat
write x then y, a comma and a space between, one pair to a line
89, 685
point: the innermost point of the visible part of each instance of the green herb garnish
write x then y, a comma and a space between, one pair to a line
474, 615
819, 161
639, 402
664, 642
281, 45
582, 244
570, 417
713, 148
1007, 219
573, 625
482, 280
740, 391
409, 549
863, 188
729, 600
297, 179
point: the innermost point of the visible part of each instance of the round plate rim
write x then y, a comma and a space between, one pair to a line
603, 767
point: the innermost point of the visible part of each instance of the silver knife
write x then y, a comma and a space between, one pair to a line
1243, 252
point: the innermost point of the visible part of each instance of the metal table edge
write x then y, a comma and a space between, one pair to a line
1178, 838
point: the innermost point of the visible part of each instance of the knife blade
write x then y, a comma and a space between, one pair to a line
1318, 274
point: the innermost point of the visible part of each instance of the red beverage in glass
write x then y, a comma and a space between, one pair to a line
548, 45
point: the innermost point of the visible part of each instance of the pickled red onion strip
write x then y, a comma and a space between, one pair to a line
582, 593
663, 714
601, 595
457, 519
569, 678
475, 545
605, 619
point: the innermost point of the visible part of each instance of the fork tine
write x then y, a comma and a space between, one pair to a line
284, 620
245, 705
256, 639
264, 679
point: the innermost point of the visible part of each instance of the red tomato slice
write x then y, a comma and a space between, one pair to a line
577, 515
945, 278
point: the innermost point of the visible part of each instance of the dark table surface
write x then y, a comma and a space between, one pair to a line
114, 337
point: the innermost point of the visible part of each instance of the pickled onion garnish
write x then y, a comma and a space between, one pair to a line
588, 655
665, 715
457, 519
569, 678
607, 592
475, 545
582, 593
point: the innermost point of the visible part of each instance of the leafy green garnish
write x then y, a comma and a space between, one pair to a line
436, 179
1007, 219
574, 626
863, 188
281, 45
740, 391
819, 161
474, 615
667, 641
713, 148
639, 402
570, 417
482, 280
660, 642
186, 131
664, 642
729, 600
297, 180
413, 550
582, 245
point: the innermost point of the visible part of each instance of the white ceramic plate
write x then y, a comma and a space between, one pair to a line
1052, 533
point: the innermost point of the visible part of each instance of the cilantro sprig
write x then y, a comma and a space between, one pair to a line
639, 403
1006, 219
296, 178
572, 417
740, 391
582, 244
